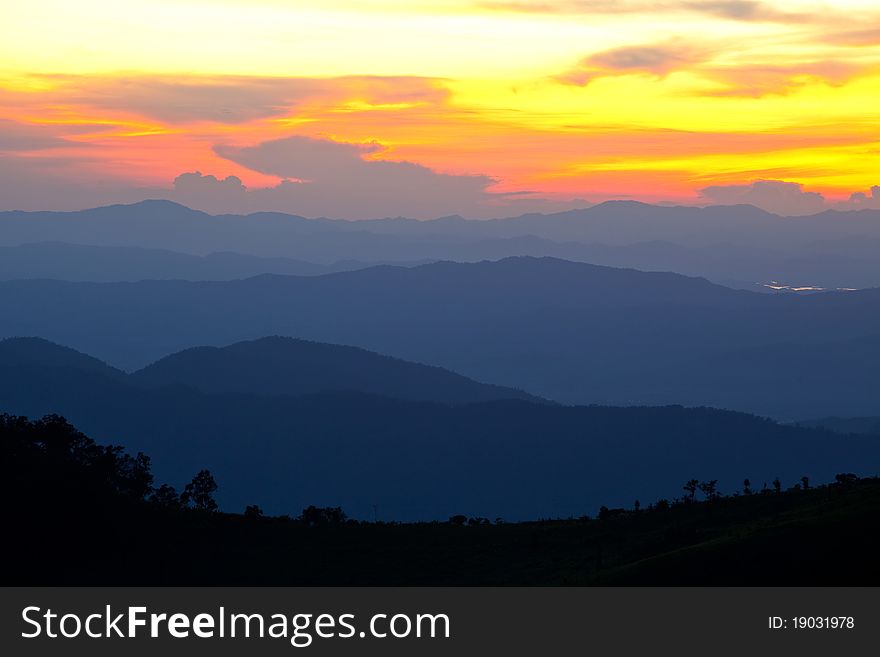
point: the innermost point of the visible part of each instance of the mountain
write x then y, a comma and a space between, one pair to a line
570, 332
849, 425
36, 353
272, 366
79, 262
286, 366
163, 224
844, 263
407, 460
739, 245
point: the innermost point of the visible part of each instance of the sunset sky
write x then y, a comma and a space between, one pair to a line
394, 107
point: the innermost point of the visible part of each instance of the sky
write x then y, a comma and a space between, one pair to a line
404, 108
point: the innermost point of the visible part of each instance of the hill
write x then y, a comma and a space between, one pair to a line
408, 460
272, 366
286, 366
848, 425
36, 353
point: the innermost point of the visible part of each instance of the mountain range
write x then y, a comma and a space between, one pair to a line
387, 457
739, 246
565, 331
269, 366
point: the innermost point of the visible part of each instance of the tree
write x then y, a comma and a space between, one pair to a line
805, 482
637, 506
314, 516
777, 485
199, 493
253, 512
166, 497
691, 489
708, 489
458, 520
747, 487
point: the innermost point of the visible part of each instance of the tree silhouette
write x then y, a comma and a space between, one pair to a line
708, 489
747, 487
777, 485
691, 489
199, 493
166, 497
314, 516
805, 482
253, 511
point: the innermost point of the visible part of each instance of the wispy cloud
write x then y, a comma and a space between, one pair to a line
655, 59
735, 10
233, 99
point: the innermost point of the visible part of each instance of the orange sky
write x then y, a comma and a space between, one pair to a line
505, 103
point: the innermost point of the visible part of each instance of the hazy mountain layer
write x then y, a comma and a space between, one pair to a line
416, 460
571, 332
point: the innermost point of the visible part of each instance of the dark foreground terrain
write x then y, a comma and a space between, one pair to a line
80, 513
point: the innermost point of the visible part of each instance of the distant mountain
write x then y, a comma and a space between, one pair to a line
740, 245
272, 366
79, 262
406, 460
164, 224
853, 425
286, 366
36, 353
570, 332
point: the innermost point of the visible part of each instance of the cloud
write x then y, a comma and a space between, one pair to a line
760, 80
226, 195
21, 137
235, 99
58, 183
853, 38
735, 10
658, 59
777, 196
863, 201
322, 177
745, 10
743, 79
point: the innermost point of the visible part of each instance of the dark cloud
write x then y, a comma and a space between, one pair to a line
329, 178
780, 197
863, 201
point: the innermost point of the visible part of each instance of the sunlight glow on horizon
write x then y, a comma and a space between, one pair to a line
560, 99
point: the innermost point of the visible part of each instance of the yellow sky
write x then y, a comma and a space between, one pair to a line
576, 98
